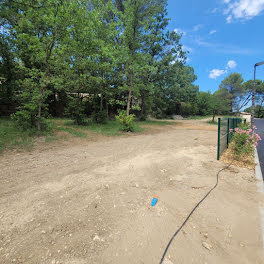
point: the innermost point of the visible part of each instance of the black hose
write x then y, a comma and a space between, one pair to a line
187, 218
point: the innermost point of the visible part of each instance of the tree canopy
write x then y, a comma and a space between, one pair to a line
83, 58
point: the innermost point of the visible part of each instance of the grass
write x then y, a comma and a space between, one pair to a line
111, 128
73, 131
13, 138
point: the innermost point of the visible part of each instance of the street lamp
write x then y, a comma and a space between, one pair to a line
253, 94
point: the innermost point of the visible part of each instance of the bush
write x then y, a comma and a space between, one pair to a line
27, 120
143, 117
23, 120
100, 117
244, 140
126, 121
75, 110
187, 109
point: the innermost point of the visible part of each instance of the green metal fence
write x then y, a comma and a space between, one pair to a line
224, 134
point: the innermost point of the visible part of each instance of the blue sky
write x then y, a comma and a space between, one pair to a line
222, 36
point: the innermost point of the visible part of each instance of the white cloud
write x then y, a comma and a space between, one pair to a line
231, 64
212, 32
243, 9
214, 10
197, 27
216, 73
179, 31
229, 19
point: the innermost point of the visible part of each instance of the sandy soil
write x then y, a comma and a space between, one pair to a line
89, 202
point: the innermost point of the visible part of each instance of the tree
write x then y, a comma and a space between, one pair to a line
92, 57
204, 103
259, 110
9, 74
36, 28
141, 48
232, 88
218, 104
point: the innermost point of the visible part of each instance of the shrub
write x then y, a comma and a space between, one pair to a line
23, 120
26, 119
143, 117
75, 110
126, 121
100, 117
244, 141
187, 109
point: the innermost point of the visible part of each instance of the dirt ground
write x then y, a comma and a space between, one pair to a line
88, 201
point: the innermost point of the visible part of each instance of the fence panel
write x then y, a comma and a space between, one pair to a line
224, 134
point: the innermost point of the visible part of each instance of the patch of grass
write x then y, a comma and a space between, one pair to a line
111, 128
229, 116
13, 138
198, 117
73, 131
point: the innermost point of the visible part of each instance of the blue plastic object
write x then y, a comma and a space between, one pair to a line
154, 201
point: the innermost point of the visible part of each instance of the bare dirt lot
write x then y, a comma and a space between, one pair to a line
89, 201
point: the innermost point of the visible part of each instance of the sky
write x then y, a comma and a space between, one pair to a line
222, 37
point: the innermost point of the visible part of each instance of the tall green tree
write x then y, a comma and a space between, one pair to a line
232, 88
36, 27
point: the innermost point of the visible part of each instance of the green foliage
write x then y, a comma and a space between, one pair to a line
126, 121
75, 110
28, 115
187, 109
11, 137
244, 141
259, 111
119, 51
204, 103
100, 117
233, 90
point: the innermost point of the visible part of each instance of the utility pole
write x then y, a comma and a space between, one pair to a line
254, 93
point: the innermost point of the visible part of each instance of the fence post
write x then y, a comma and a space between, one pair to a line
228, 127
218, 140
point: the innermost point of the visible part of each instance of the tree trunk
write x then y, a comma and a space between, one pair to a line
101, 103
107, 110
39, 111
130, 92
142, 112
39, 115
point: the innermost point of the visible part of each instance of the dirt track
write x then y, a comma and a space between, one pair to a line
89, 202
